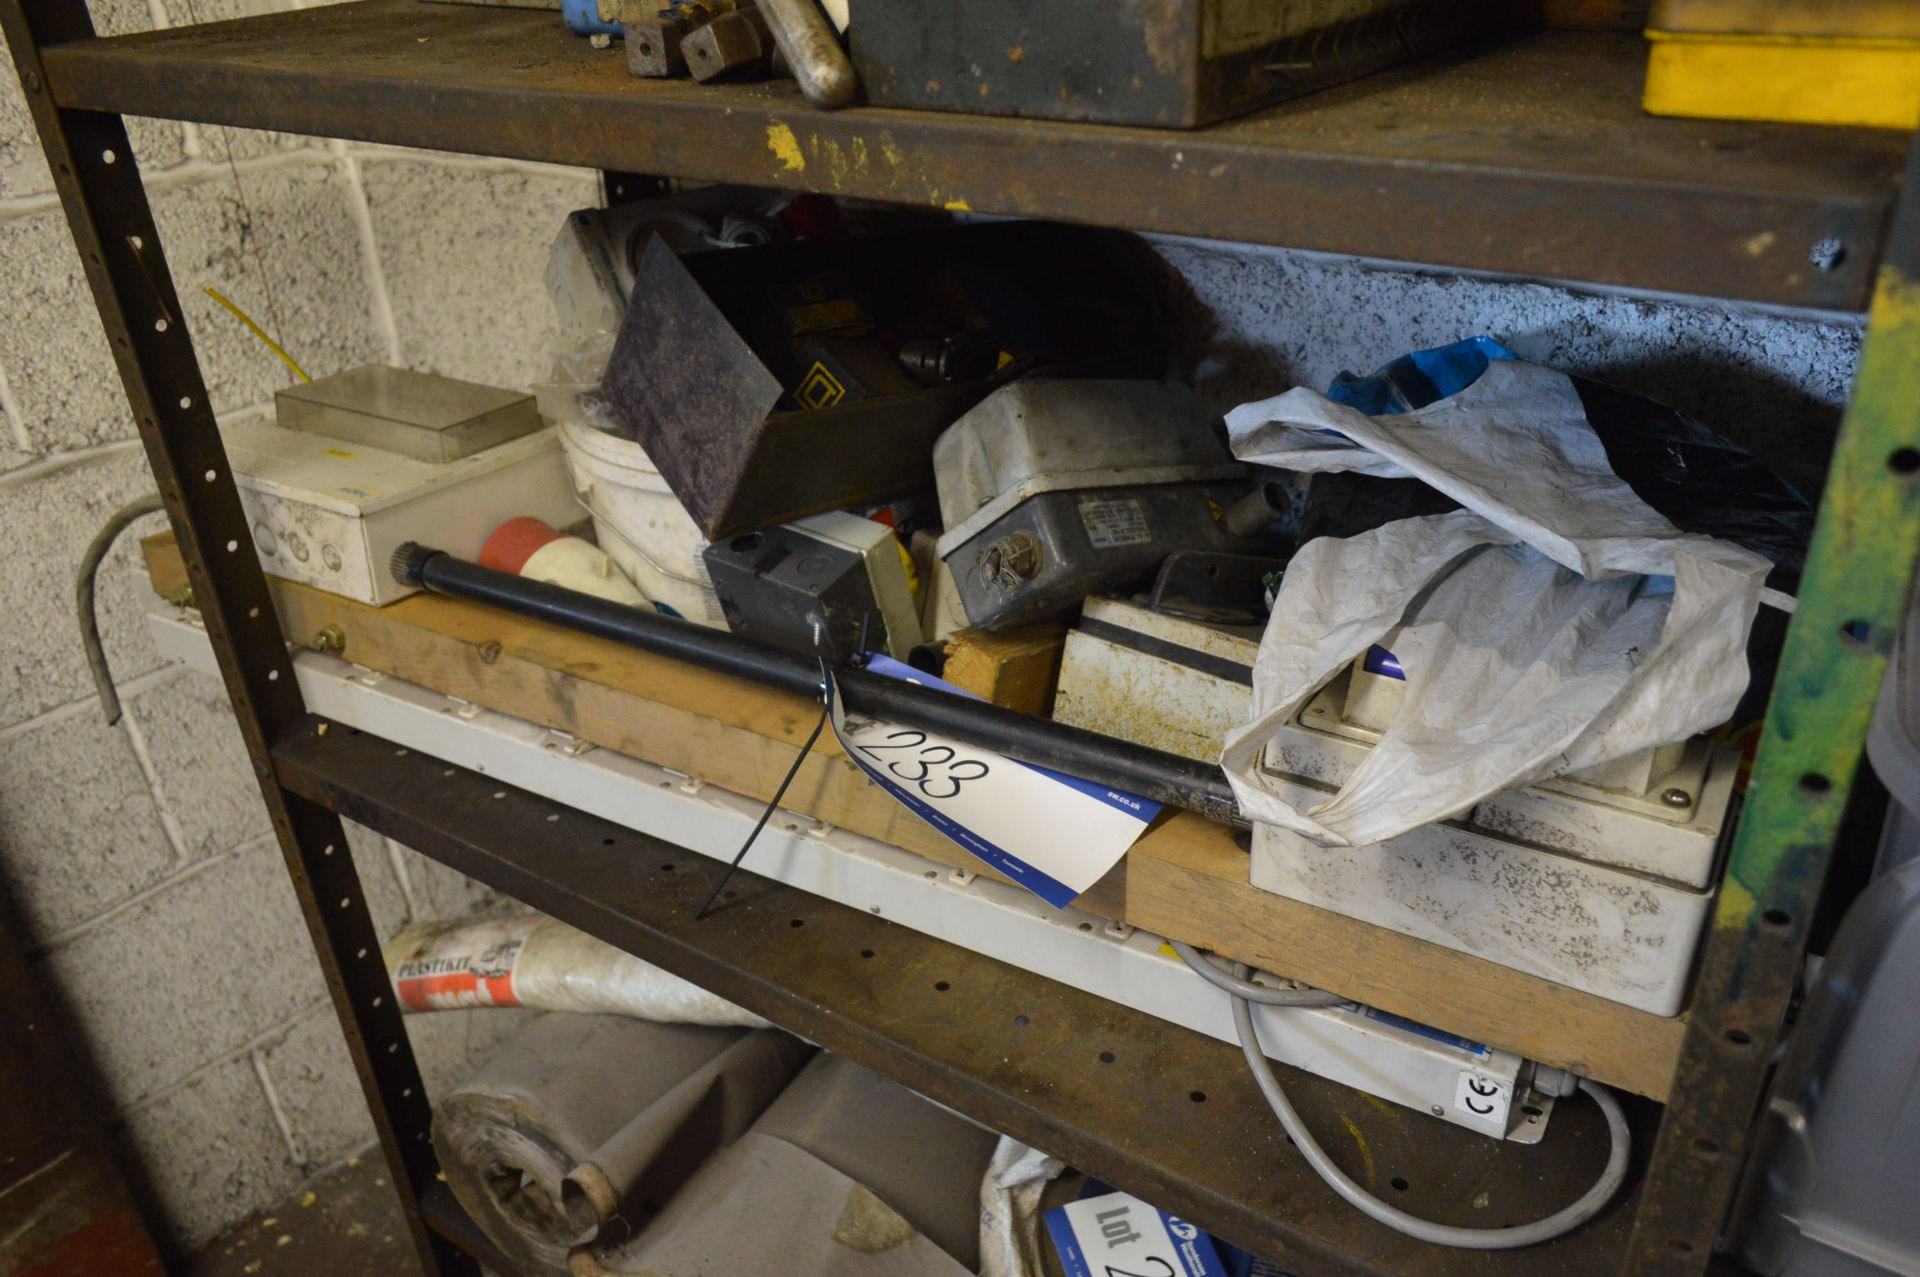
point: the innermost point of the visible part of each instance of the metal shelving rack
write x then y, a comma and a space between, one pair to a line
1529, 157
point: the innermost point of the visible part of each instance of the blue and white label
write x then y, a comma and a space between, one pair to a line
1055, 835
1118, 1235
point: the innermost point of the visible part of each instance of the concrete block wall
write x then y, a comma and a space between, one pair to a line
140, 855
1257, 321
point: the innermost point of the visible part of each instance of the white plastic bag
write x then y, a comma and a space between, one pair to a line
1557, 623
1010, 1194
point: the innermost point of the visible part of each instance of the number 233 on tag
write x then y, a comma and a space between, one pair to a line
1051, 833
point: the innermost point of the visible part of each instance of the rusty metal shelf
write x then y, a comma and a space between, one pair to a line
1164, 1112
1529, 157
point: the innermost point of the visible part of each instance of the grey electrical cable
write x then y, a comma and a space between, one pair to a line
1264, 994
1555, 1225
83, 599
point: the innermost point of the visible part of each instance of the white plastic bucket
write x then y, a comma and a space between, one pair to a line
640, 523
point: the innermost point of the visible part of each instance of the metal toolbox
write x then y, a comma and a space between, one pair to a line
1601, 881
1052, 489
1847, 62
1172, 63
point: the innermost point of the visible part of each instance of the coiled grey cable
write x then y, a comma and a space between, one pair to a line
1264, 994
1555, 1225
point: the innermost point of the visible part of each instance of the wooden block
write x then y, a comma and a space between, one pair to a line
166, 570
1017, 669
1187, 877
941, 612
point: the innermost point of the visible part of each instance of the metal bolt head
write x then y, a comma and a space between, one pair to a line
653, 49
733, 46
1437, 1111
490, 651
332, 640
1676, 797
1012, 560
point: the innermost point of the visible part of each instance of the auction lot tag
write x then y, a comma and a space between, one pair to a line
1118, 1235
1054, 835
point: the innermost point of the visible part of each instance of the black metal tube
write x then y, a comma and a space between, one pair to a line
1150, 773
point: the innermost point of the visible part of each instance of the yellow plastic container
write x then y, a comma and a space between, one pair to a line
1799, 61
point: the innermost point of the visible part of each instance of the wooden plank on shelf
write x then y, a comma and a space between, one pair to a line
731, 733
1187, 877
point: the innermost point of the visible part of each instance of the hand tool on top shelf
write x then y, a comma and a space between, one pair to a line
729, 46
724, 40
812, 51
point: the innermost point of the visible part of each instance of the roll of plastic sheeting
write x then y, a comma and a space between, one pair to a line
847, 1174
555, 1096
764, 1206
538, 962
925, 1160
624, 1182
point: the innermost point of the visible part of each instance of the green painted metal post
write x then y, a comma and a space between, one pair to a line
1851, 599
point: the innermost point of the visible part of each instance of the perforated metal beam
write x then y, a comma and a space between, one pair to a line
106, 206
1852, 597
